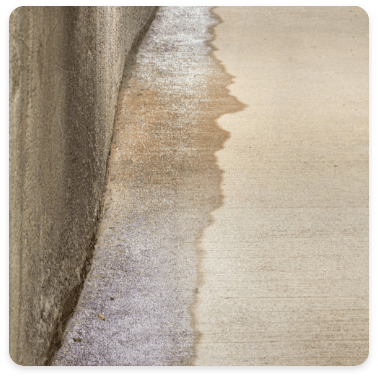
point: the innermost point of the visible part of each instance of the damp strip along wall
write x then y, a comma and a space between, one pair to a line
66, 66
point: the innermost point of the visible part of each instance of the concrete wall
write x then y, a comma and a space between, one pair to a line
66, 66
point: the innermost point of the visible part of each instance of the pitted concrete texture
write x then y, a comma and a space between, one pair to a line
163, 184
285, 268
66, 66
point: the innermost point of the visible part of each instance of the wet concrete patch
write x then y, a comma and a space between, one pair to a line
164, 182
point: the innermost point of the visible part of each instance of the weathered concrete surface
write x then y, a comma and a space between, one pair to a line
285, 267
66, 66
163, 184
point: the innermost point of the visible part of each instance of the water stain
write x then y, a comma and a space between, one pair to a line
164, 183
174, 140
164, 155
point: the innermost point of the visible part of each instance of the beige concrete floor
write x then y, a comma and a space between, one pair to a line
285, 262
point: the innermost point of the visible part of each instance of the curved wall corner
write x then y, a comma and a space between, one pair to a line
66, 66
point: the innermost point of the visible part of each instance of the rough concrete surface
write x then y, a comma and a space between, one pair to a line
66, 66
285, 268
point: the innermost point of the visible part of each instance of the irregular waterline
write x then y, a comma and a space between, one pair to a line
195, 173
200, 249
196, 336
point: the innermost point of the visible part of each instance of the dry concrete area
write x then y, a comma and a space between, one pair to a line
285, 262
235, 229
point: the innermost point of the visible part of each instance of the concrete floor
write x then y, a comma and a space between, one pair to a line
236, 223
285, 272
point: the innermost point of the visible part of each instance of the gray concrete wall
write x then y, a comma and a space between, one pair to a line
66, 67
